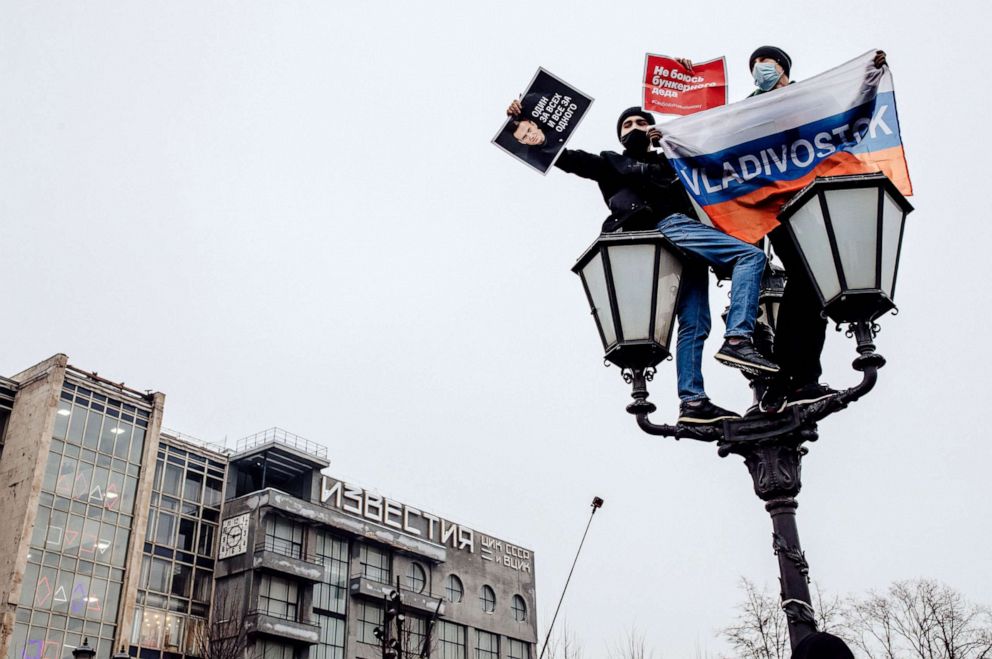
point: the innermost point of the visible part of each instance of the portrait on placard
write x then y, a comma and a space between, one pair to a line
550, 111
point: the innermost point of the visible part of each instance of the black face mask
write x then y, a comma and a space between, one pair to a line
635, 140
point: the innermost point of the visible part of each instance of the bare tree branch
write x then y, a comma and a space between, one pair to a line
631, 646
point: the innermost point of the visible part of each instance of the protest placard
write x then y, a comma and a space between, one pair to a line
670, 89
551, 110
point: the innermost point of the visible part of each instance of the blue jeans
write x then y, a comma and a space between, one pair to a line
707, 246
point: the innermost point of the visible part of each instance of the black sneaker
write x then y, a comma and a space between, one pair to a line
811, 393
774, 400
703, 413
744, 356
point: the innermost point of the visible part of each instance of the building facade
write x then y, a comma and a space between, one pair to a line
144, 541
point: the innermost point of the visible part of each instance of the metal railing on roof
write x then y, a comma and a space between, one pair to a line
196, 441
280, 436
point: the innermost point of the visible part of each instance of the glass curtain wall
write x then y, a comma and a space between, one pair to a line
176, 583
75, 570
330, 596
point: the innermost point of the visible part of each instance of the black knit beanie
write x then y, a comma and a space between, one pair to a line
630, 112
774, 53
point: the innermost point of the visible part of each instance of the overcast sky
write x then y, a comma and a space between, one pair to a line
289, 213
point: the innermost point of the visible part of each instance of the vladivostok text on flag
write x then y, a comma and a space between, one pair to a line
742, 162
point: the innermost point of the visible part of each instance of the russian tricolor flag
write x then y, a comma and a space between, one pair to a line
742, 162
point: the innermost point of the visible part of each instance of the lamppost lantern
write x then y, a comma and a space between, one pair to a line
632, 282
849, 230
84, 651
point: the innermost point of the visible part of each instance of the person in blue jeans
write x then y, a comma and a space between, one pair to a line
643, 192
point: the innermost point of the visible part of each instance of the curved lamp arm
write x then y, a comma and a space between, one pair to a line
868, 362
641, 408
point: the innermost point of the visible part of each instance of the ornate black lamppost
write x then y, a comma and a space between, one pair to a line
849, 232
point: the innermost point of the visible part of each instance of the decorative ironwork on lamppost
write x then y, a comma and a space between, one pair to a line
849, 232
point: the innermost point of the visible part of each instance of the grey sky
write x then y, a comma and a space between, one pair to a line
289, 213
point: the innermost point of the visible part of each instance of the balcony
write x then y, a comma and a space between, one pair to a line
423, 604
278, 557
285, 628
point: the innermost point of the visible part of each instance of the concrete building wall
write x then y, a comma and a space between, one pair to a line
29, 435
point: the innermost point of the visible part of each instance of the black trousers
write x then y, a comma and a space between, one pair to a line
800, 330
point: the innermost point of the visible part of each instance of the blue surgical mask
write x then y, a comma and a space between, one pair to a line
765, 75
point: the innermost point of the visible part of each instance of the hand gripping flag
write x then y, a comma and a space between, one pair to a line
742, 162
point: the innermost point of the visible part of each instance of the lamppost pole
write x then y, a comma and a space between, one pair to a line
772, 449
776, 472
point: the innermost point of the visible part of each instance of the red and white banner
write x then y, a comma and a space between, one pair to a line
671, 89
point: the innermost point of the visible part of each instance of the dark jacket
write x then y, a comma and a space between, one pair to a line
640, 190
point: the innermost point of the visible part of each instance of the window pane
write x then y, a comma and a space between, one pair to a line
51, 471
92, 434
331, 644
451, 640
212, 494
206, 545
123, 438
487, 645
76, 423
519, 608
201, 585
278, 597
375, 564
453, 588
193, 487
416, 578
165, 529
369, 617
488, 599
137, 444
171, 479
517, 649
182, 578
158, 575
187, 534
62, 420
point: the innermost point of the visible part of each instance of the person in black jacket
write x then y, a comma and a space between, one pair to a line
643, 192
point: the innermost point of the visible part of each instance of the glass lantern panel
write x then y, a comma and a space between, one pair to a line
595, 278
892, 221
854, 215
809, 231
633, 278
669, 276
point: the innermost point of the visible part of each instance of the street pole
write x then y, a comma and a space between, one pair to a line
776, 471
597, 503
772, 448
